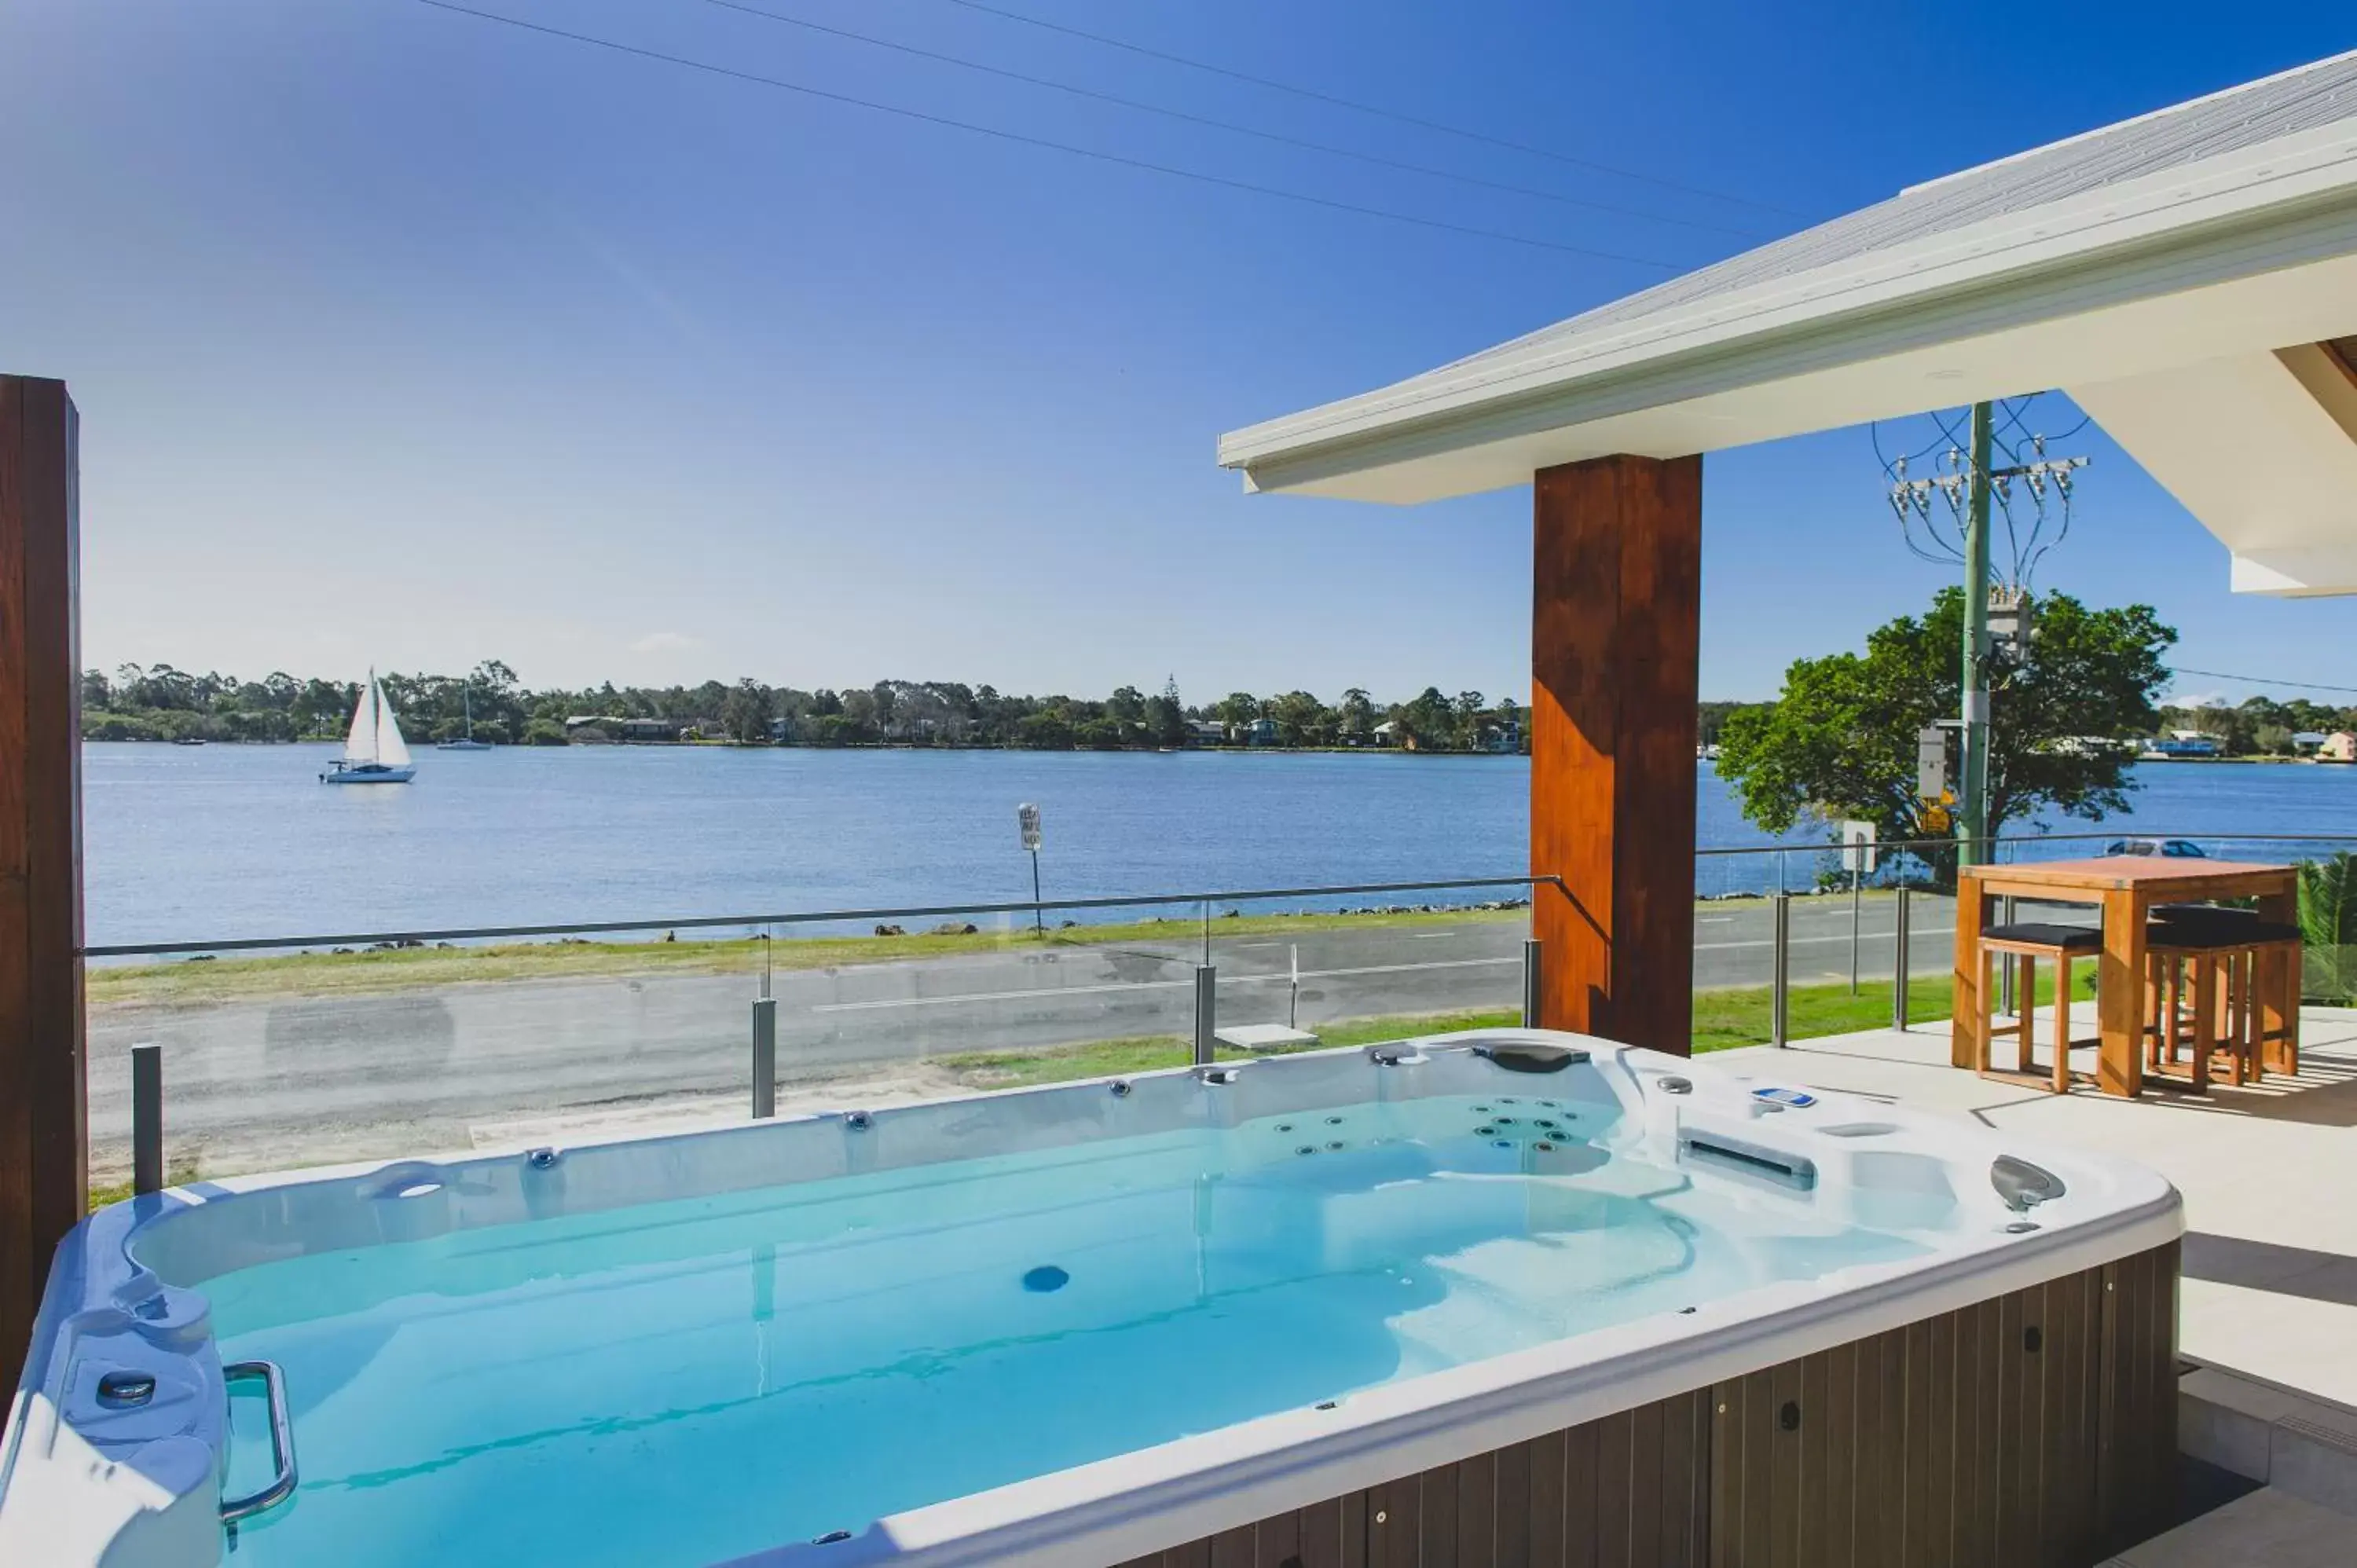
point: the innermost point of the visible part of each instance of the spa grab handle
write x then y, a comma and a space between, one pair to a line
282, 1444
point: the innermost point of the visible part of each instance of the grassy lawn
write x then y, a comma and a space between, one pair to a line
1145, 1053
1723, 1019
195, 982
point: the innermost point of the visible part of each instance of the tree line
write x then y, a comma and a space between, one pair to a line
2260, 726
161, 702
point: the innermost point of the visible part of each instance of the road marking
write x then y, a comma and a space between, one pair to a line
1047, 993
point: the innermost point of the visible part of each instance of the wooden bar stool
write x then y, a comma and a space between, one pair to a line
2030, 941
2191, 978
2254, 974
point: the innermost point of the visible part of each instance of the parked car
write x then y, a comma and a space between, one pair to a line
2174, 849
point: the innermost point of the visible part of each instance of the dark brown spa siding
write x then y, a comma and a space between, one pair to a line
2039, 1428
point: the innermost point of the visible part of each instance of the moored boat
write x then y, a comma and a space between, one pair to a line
374, 752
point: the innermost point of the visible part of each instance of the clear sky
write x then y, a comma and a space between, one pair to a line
407, 338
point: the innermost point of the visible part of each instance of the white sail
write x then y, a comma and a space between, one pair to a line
359, 743
391, 749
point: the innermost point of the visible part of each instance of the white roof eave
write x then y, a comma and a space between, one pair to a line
2202, 223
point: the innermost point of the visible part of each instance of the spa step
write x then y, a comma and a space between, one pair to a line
2294, 1443
2266, 1529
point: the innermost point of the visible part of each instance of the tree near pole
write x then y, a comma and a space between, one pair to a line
1840, 740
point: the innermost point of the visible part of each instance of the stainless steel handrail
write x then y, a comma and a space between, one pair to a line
805, 917
282, 1443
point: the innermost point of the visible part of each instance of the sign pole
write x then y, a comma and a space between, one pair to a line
1027, 820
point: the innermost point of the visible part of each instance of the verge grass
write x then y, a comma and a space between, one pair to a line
199, 981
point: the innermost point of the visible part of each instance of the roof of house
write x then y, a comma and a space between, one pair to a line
2122, 259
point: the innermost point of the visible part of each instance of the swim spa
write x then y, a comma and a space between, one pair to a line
1526, 1289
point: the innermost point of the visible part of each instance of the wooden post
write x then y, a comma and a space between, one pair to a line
43, 1130
1615, 619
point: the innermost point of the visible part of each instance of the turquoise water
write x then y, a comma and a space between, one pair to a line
198, 843
683, 1382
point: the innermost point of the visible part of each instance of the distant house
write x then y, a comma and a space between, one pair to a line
589, 729
1206, 732
1505, 739
593, 729
1387, 733
2339, 746
2180, 745
1258, 732
781, 730
2306, 741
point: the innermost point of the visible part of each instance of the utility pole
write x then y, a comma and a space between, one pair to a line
1972, 819
1969, 483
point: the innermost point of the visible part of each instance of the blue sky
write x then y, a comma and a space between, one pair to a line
404, 338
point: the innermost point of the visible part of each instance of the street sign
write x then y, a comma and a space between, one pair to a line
1027, 818
1930, 762
1859, 853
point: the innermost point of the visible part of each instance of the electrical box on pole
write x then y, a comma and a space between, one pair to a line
1931, 763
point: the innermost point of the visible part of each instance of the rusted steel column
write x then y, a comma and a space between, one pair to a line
43, 1127
1615, 621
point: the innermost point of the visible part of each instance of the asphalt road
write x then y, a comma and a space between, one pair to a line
320, 1078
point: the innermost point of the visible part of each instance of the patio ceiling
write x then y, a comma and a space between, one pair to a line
2183, 275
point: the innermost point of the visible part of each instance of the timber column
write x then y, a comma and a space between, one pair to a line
43, 1128
1615, 627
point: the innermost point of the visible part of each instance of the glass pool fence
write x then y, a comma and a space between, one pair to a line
211, 1058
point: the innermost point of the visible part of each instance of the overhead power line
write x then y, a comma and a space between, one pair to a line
1354, 105
1020, 139
1277, 136
2259, 680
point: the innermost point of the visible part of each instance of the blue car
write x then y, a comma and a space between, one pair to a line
2174, 849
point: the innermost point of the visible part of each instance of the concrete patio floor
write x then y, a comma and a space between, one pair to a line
2269, 1175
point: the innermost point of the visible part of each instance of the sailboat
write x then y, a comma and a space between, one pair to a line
374, 752
469, 742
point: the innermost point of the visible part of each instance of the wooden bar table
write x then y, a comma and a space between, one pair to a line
2127, 886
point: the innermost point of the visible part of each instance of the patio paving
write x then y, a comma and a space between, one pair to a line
2269, 1171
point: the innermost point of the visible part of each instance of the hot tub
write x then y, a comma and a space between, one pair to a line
1525, 1289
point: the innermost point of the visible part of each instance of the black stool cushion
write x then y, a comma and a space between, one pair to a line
2189, 930
2048, 934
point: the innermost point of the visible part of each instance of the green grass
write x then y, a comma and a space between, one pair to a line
1725, 1019
187, 982
1145, 1053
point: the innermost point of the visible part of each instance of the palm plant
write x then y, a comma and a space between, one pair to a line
2327, 928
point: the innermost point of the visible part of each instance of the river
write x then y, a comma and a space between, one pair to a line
190, 843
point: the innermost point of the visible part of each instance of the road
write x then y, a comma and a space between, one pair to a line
352, 1076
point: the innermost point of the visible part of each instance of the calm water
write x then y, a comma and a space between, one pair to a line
196, 842
840, 1350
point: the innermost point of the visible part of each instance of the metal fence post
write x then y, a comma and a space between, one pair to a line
1207, 1003
2006, 916
765, 1056
1530, 960
1779, 984
1855, 927
1900, 969
146, 1118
